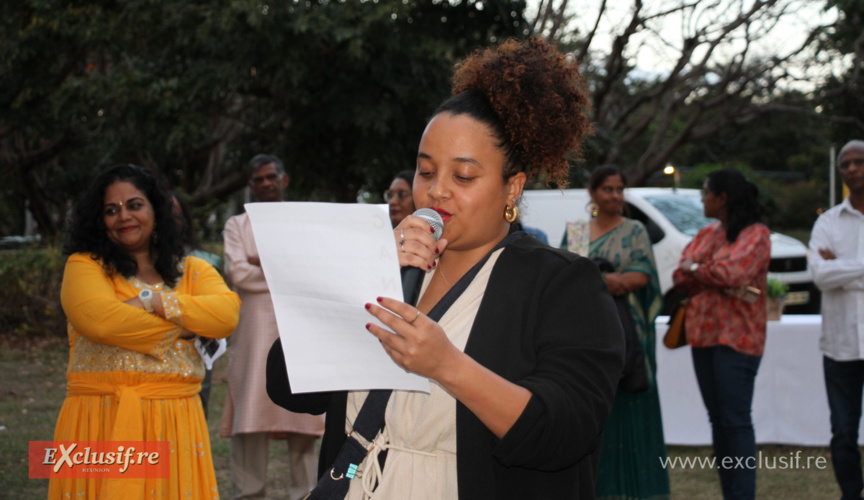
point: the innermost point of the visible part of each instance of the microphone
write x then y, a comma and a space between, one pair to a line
433, 218
412, 277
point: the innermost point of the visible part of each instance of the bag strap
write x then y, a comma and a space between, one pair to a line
370, 418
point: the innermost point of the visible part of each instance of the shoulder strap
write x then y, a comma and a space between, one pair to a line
370, 418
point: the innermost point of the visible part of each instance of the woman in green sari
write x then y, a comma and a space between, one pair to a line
633, 443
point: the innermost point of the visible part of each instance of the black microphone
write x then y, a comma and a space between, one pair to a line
412, 277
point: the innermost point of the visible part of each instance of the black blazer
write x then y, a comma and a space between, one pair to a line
547, 323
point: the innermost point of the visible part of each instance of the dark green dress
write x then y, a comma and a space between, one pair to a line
633, 443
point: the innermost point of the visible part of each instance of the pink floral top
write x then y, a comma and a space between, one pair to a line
713, 316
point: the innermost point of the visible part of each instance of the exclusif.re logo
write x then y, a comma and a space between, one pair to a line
106, 459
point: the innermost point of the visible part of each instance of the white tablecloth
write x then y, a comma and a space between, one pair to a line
789, 402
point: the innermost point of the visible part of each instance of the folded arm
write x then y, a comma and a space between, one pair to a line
748, 257
90, 300
210, 309
243, 271
830, 270
92, 307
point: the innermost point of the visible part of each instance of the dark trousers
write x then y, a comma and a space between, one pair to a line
844, 383
726, 378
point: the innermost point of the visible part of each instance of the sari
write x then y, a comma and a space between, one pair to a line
633, 448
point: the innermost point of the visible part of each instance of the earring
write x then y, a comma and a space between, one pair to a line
594, 209
511, 213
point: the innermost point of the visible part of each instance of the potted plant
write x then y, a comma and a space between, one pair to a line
775, 294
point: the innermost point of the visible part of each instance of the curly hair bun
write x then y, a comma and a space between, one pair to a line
539, 97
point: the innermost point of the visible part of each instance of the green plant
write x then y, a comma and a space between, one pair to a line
30, 280
776, 289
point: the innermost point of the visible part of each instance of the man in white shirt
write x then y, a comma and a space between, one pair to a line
837, 262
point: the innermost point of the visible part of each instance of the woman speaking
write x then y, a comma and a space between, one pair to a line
133, 304
521, 341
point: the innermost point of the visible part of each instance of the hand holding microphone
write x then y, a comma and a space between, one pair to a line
417, 238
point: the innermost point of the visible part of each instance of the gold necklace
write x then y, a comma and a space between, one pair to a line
441, 271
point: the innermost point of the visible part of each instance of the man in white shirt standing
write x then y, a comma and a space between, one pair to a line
837, 262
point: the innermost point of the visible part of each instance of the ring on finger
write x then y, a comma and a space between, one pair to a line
415, 318
401, 240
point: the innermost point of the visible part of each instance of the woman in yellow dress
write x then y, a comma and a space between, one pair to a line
133, 305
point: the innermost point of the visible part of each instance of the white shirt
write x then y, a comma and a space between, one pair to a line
841, 280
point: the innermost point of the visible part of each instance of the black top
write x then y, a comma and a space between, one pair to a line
547, 323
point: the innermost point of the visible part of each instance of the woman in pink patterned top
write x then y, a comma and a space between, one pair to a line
721, 270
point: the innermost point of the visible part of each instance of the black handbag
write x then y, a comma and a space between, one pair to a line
635, 376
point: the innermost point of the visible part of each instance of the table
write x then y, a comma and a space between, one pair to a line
789, 401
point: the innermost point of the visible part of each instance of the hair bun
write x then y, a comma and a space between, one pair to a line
539, 96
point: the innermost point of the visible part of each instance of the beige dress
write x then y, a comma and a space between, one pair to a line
420, 429
248, 408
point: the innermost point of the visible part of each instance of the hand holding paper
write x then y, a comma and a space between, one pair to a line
323, 262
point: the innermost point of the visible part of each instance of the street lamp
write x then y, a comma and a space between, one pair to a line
676, 176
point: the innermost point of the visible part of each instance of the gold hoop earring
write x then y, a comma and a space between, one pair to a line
594, 209
511, 213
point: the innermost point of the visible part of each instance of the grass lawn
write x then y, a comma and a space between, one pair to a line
33, 387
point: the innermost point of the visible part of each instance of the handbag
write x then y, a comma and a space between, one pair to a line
676, 335
634, 378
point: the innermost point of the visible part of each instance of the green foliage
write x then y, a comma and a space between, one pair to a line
776, 289
30, 292
192, 89
841, 96
777, 141
800, 204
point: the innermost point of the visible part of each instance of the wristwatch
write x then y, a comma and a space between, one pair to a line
693, 267
146, 297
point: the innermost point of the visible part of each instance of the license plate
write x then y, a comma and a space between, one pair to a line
796, 298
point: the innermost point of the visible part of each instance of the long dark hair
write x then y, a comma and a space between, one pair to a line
86, 231
187, 226
742, 200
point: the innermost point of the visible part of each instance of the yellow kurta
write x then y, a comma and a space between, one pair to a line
131, 377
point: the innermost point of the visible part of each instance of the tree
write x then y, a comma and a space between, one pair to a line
192, 89
778, 141
719, 70
842, 96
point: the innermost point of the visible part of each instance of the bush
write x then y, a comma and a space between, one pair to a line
30, 292
801, 204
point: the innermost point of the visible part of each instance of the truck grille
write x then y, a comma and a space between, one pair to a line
788, 265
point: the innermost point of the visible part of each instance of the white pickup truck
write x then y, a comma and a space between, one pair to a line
672, 218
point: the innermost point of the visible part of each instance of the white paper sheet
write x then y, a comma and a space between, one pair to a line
323, 262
